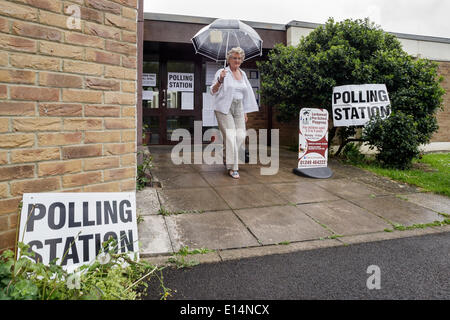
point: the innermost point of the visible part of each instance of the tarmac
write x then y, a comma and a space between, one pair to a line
200, 206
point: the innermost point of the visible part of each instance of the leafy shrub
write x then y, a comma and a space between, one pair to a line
352, 154
115, 277
142, 177
351, 52
397, 139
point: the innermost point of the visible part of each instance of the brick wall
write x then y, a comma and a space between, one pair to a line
67, 100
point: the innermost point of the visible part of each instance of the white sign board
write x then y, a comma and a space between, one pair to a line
177, 81
73, 226
313, 138
149, 79
354, 105
208, 115
147, 95
187, 101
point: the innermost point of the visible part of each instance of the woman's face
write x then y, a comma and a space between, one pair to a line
235, 60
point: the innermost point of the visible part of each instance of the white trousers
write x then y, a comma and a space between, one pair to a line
232, 127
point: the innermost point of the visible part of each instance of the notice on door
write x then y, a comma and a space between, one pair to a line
180, 81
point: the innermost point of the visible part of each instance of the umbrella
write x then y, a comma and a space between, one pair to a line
214, 40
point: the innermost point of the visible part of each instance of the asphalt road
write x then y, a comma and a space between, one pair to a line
409, 268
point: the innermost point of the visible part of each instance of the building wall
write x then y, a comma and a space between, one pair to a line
67, 100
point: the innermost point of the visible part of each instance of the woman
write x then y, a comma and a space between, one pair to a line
233, 99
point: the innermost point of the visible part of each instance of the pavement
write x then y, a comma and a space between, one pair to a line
271, 214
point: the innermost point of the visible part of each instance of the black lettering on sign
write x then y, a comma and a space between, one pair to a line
53, 243
35, 243
32, 216
70, 251
128, 217
337, 114
51, 215
85, 239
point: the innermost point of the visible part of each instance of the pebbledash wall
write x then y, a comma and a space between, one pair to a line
68, 79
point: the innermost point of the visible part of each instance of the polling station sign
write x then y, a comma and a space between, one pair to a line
73, 226
313, 138
177, 81
354, 105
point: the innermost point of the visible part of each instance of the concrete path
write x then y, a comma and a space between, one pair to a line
204, 208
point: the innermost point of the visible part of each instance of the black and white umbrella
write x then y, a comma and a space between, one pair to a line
214, 40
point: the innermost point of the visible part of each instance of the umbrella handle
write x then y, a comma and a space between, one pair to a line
226, 50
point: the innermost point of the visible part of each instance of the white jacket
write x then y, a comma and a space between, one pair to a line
224, 96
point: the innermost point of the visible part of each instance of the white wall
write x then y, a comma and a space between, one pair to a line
433, 50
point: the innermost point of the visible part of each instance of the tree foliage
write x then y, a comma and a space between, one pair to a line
350, 52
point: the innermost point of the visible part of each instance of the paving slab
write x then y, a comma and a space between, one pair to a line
205, 199
272, 225
249, 196
344, 218
221, 178
347, 189
211, 230
398, 211
147, 202
303, 192
431, 201
153, 236
283, 175
184, 180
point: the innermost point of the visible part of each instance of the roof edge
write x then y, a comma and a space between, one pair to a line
207, 20
310, 25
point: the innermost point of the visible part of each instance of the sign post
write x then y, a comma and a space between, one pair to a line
313, 144
71, 227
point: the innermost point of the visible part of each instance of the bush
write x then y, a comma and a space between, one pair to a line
352, 154
397, 139
112, 276
351, 52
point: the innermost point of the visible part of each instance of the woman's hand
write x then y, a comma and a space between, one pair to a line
222, 75
245, 117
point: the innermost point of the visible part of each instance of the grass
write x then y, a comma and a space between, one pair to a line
431, 172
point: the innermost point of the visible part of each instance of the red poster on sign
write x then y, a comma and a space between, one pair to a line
313, 138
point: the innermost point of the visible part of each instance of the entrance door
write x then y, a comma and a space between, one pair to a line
173, 100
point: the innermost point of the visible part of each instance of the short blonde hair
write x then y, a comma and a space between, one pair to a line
236, 50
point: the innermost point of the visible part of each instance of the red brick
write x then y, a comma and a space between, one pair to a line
16, 172
38, 185
102, 57
59, 167
101, 136
82, 152
81, 179
17, 108
34, 94
51, 5
60, 80
32, 155
60, 109
17, 76
18, 11
102, 111
59, 139
35, 31
104, 6
102, 84
17, 43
